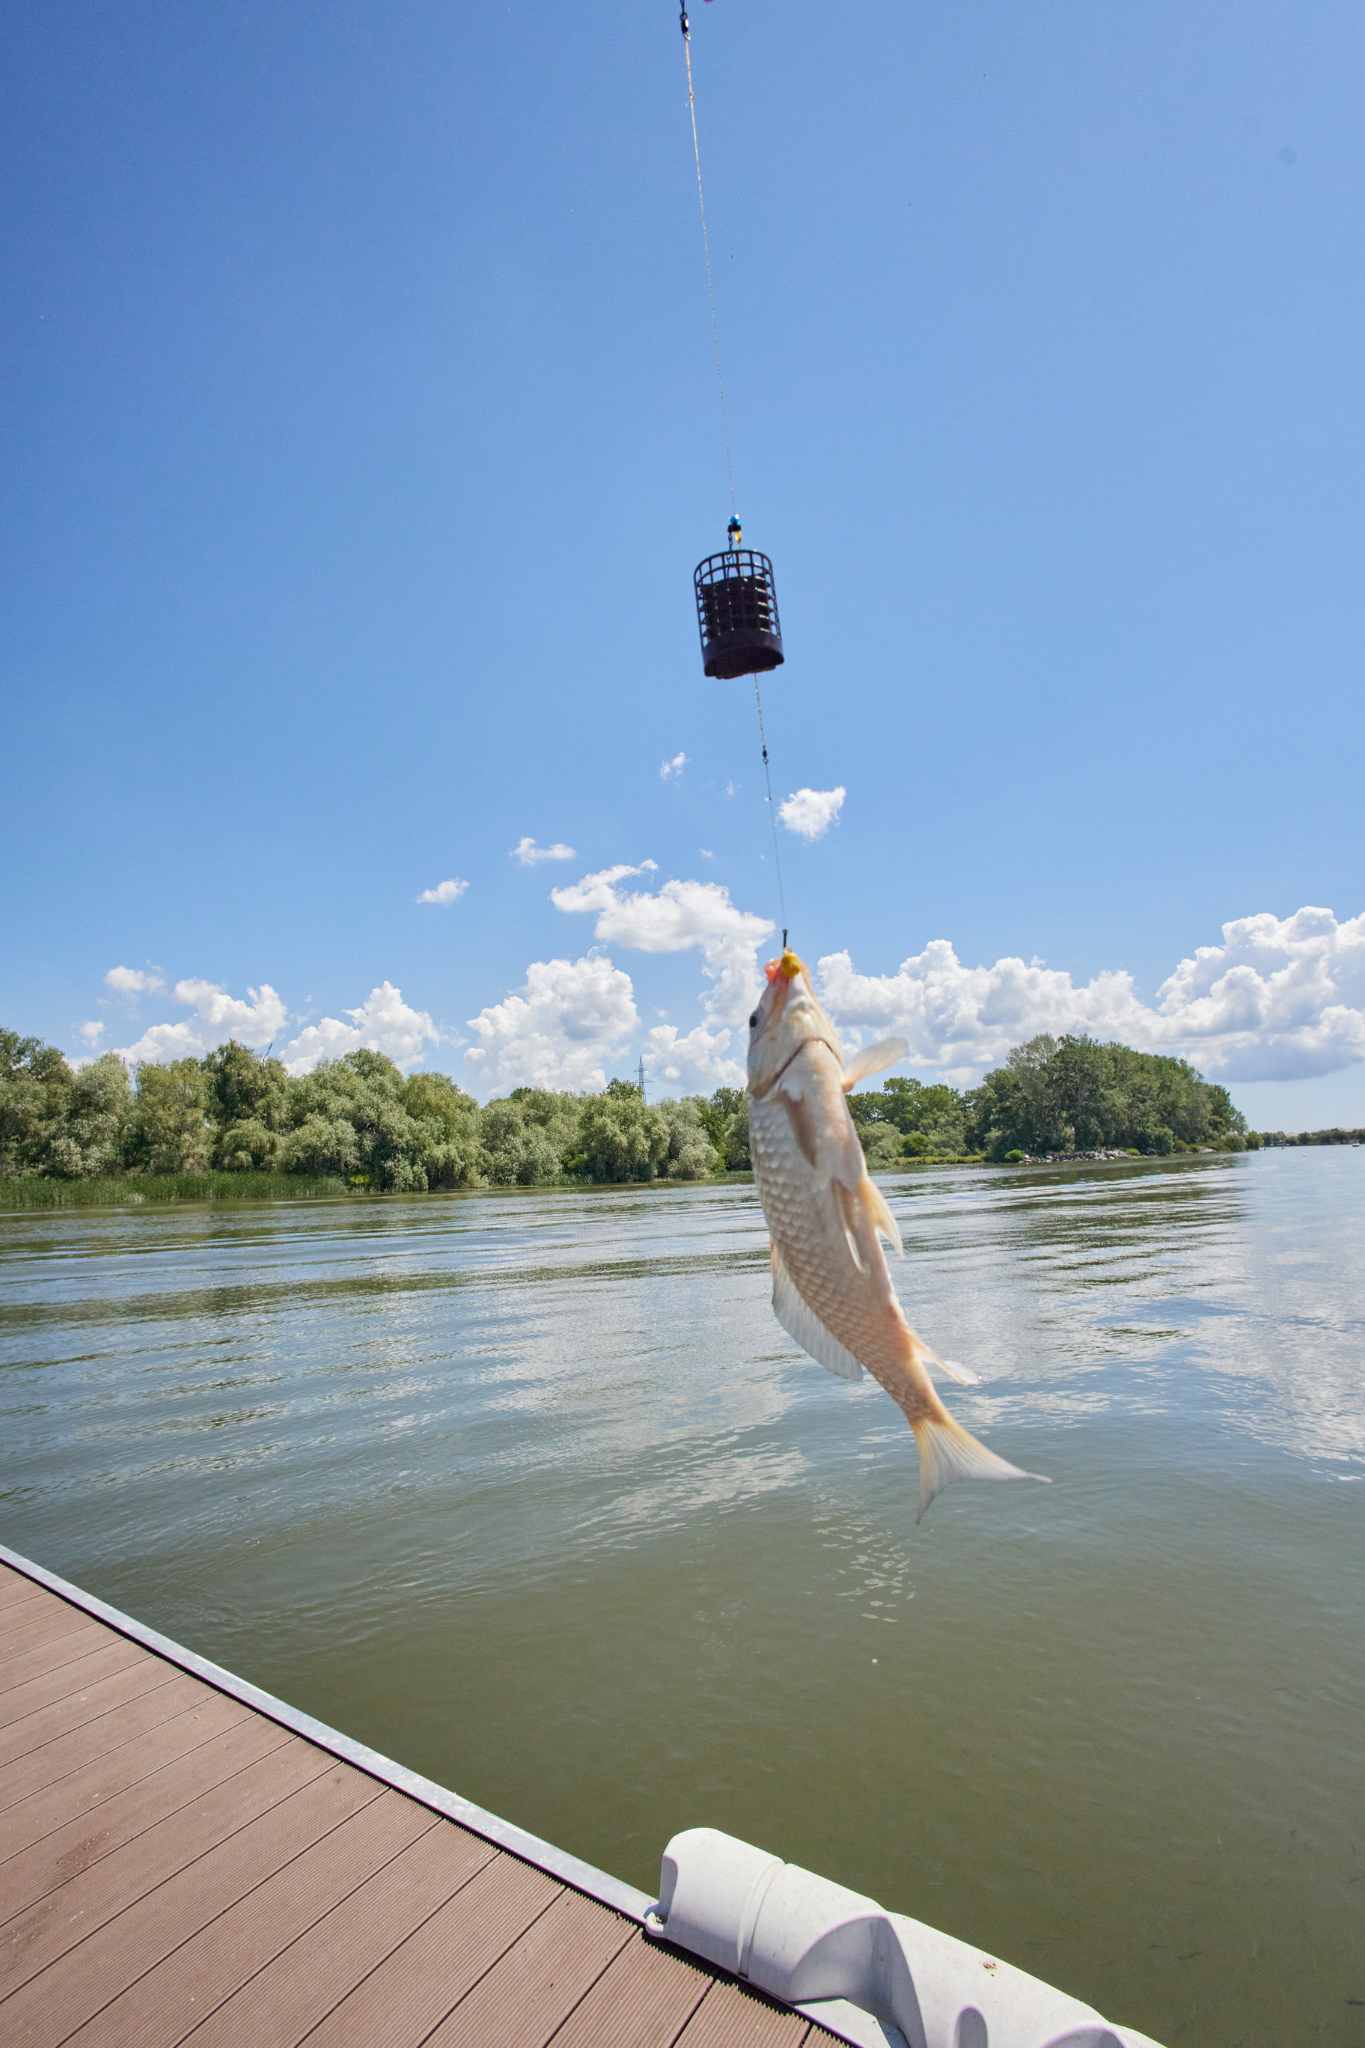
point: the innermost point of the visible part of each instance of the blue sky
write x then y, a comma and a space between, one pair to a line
361, 436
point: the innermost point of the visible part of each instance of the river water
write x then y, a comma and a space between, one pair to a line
531, 1493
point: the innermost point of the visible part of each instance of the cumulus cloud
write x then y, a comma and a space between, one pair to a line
528, 853
132, 981
560, 1030
382, 1023
674, 767
444, 892
678, 918
810, 812
1279, 999
254, 1019
598, 891
693, 1062
92, 1031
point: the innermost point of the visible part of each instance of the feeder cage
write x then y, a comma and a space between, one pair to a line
741, 634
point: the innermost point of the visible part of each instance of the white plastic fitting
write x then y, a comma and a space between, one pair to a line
803, 1939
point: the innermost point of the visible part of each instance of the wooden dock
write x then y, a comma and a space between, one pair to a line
184, 1859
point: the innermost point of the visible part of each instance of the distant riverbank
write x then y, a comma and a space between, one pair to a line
153, 1190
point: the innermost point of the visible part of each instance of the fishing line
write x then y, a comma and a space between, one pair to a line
772, 814
710, 273
713, 312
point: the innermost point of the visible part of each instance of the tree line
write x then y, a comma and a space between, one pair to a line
361, 1121
1334, 1135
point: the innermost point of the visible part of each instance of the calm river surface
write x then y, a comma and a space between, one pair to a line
531, 1493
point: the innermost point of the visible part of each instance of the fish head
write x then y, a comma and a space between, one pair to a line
788, 1016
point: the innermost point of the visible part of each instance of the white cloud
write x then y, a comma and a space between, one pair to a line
1279, 999
131, 981
444, 892
92, 1031
676, 919
811, 812
597, 892
528, 853
693, 1062
214, 1016
568, 1020
382, 1023
669, 769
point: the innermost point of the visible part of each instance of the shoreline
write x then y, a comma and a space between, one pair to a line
39, 1193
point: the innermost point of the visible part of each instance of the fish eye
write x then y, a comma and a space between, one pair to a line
753, 1021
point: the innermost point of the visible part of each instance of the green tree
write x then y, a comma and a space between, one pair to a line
690, 1154
320, 1144
365, 1090
35, 1093
882, 1146
170, 1129
447, 1123
246, 1087
98, 1119
619, 1139
516, 1149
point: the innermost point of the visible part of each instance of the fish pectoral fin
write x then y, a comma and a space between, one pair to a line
874, 1060
805, 1328
875, 1202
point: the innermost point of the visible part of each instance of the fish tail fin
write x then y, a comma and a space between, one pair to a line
948, 1451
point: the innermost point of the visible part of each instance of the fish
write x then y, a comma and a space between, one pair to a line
832, 1288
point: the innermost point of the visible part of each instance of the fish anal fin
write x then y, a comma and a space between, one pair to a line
874, 1060
963, 1374
805, 1328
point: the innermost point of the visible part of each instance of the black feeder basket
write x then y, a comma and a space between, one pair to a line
741, 634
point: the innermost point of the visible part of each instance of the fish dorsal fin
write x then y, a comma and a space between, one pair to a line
875, 1059
879, 1210
805, 1328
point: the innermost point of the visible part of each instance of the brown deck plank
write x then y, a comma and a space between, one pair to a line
103, 1779
208, 1828
732, 2016
40, 1691
298, 1988
35, 1622
539, 1981
15, 1590
160, 2007
57, 1758
49, 1657
642, 2000
14, 1587
400, 2002
47, 1723
69, 1850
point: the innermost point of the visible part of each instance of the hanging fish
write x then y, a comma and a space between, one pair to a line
832, 1290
